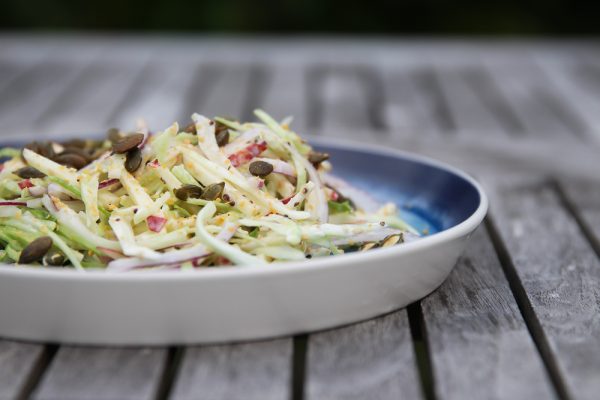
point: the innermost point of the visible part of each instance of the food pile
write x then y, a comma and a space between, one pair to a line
216, 192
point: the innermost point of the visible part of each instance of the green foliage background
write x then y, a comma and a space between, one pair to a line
535, 17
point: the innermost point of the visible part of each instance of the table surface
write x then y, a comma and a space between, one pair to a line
518, 318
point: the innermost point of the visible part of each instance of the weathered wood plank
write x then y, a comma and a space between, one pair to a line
373, 359
560, 274
479, 344
86, 103
345, 97
535, 101
159, 97
17, 362
81, 373
477, 106
221, 90
259, 370
411, 101
578, 82
583, 197
286, 94
29, 95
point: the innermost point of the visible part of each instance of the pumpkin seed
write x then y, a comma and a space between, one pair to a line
71, 160
213, 192
390, 241
222, 137
54, 258
35, 250
261, 168
187, 191
28, 173
114, 135
77, 151
190, 128
128, 143
75, 143
133, 159
316, 157
368, 246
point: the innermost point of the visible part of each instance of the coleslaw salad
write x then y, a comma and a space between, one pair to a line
219, 192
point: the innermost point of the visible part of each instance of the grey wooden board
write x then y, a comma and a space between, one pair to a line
17, 361
579, 82
475, 103
476, 333
561, 275
159, 98
219, 89
87, 102
373, 359
258, 370
585, 198
80, 373
410, 104
540, 108
341, 97
285, 94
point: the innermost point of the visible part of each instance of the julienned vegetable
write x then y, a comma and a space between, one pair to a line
217, 192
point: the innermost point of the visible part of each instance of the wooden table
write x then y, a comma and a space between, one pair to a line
519, 318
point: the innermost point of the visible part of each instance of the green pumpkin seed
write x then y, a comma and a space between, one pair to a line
71, 160
188, 191
35, 250
190, 128
114, 135
28, 173
213, 192
128, 143
133, 159
54, 258
260, 168
316, 157
222, 137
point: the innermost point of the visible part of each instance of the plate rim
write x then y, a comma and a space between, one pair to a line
338, 261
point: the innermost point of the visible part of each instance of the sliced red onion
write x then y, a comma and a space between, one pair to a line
372, 236
247, 154
107, 182
25, 183
256, 182
279, 166
113, 254
361, 199
156, 223
37, 191
154, 163
241, 142
13, 203
172, 257
227, 231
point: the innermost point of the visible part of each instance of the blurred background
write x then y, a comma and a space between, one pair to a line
412, 17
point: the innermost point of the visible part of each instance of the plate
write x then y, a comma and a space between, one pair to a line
246, 303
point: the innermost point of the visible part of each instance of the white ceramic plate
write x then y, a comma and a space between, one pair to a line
243, 303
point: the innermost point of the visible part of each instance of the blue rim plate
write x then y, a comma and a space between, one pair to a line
243, 303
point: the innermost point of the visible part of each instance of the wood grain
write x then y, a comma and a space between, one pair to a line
476, 332
17, 362
258, 370
81, 373
560, 273
373, 359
